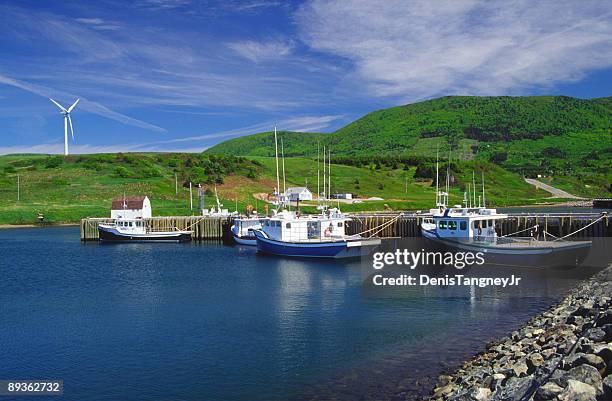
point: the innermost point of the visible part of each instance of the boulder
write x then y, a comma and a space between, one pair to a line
548, 392
597, 334
534, 361
578, 391
582, 359
514, 389
481, 394
585, 374
607, 387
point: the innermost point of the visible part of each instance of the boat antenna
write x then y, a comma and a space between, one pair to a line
468, 203
474, 189
283, 157
483, 190
276, 157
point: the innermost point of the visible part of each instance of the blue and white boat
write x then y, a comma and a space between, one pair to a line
316, 236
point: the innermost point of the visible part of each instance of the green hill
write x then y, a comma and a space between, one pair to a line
68, 189
549, 135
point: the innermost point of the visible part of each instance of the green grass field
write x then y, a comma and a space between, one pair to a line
65, 191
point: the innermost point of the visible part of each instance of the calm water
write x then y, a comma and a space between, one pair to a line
215, 322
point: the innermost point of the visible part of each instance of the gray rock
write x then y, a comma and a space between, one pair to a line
534, 361
481, 394
605, 318
585, 374
548, 391
607, 387
597, 334
582, 359
608, 330
513, 389
578, 391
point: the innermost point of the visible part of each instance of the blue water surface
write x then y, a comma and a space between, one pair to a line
218, 322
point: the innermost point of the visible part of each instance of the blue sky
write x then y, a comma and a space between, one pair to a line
182, 75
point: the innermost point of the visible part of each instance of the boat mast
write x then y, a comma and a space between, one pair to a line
474, 189
324, 179
276, 157
437, 174
329, 173
483, 191
318, 173
283, 157
447, 178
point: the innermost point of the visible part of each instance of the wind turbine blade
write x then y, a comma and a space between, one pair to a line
71, 130
58, 105
73, 105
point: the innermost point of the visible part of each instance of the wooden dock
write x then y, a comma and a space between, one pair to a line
407, 225
204, 228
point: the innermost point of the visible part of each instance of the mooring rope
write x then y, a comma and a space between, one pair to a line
528, 228
380, 227
585, 227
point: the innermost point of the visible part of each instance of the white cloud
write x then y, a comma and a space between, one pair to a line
99, 24
417, 49
262, 51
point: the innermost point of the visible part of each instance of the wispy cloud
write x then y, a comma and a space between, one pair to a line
99, 24
193, 143
262, 51
86, 104
426, 48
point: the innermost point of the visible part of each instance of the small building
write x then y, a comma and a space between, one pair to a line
131, 207
295, 194
343, 196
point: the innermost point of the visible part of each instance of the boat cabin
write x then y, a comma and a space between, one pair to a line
464, 222
289, 227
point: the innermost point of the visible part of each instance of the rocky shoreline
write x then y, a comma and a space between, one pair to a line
563, 354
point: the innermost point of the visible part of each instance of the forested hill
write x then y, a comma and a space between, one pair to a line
420, 128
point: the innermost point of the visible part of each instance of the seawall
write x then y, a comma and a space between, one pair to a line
562, 354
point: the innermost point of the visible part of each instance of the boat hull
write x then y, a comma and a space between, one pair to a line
112, 235
340, 249
249, 240
542, 256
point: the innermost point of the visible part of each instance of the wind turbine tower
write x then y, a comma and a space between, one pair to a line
67, 120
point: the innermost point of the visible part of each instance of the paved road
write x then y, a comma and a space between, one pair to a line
557, 193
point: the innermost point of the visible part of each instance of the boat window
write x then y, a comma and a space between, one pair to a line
452, 225
288, 225
463, 225
442, 225
339, 224
130, 223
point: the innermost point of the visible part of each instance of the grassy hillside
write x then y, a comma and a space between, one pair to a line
67, 189
569, 139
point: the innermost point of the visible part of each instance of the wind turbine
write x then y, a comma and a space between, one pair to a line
67, 121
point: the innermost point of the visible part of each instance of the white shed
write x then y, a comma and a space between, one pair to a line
298, 194
131, 207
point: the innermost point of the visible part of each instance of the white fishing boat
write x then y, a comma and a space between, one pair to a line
315, 236
476, 229
243, 229
136, 230
288, 233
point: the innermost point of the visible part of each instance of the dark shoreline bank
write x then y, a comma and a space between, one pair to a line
562, 354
